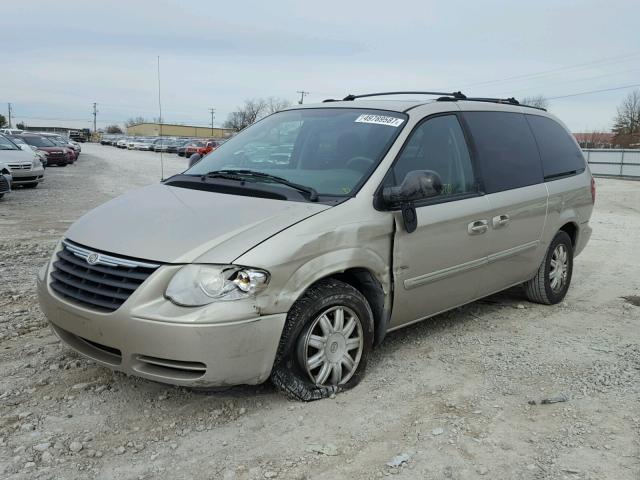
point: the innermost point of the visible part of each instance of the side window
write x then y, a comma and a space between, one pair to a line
507, 152
559, 151
439, 145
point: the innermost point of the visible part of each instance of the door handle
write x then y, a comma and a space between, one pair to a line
477, 227
500, 221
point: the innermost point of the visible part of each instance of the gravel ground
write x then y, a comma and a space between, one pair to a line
456, 397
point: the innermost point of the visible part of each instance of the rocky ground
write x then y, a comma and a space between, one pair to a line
456, 397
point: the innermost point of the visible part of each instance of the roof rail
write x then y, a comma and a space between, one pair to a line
508, 101
350, 97
443, 97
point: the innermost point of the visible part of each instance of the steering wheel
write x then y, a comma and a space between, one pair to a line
360, 164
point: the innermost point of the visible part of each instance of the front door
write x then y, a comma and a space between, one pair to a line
441, 264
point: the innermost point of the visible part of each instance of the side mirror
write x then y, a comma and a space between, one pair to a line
417, 185
22, 146
193, 159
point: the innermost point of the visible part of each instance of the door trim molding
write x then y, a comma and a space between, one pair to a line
510, 252
411, 283
415, 282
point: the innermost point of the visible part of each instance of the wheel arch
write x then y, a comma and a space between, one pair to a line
571, 229
363, 269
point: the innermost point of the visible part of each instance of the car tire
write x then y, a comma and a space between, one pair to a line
325, 343
551, 283
30, 185
62, 164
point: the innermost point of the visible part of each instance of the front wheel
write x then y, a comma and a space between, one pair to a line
553, 278
325, 342
31, 185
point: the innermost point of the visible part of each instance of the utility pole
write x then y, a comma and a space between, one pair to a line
95, 113
213, 115
302, 95
10, 110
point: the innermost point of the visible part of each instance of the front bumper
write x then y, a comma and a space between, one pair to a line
21, 177
150, 337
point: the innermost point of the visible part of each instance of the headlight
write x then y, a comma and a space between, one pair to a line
36, 162
197, 285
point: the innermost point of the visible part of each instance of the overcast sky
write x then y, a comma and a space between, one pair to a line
59, 57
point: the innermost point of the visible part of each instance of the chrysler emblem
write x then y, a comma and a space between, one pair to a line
93, 259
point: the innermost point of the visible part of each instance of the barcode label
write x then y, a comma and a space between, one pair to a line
380, 120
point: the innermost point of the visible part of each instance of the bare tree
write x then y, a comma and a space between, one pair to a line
113, 129
535, 101
626, 126
275, 104
135, 121
251, 111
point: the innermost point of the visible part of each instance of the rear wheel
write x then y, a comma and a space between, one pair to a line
325, 342
551, 283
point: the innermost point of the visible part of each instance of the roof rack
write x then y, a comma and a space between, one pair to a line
443, 97
350, 97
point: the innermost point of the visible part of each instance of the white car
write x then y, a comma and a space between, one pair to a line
5, 179
11, 131
25, 166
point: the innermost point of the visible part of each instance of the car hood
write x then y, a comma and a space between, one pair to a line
16, 156
179, 225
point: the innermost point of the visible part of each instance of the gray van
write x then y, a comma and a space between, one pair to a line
290, 251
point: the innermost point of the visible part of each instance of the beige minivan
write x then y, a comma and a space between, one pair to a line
291, 250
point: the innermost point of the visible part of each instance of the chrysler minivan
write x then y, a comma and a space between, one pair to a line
291, 250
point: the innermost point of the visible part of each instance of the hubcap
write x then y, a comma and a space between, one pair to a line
331, 348
559, 268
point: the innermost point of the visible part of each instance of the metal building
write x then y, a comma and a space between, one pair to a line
173, 130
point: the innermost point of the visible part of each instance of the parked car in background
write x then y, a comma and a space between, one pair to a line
5, 179
193, 147
11, 131
208, 147
25, 165
145, 144
183, 147
63, 142
56, 154
25, 146
122, 142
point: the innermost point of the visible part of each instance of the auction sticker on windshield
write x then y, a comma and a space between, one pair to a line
380, 120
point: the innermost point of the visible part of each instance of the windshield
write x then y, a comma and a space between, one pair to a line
6, 144
38, 141
332, 150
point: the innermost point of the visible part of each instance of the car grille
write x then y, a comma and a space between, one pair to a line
4, 184
95, 279
19, 166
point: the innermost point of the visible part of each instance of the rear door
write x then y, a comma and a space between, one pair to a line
440, 264
512, 175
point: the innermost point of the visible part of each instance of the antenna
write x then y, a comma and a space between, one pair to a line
160, 121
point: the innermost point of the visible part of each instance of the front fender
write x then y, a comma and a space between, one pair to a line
330, 263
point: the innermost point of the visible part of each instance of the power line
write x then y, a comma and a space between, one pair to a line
594, 91
607, 61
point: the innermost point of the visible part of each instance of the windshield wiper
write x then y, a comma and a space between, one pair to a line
240, 175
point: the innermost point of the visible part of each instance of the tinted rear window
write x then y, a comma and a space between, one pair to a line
507, 152
560, 153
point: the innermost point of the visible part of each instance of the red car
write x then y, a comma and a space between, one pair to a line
56, 155
209, 146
